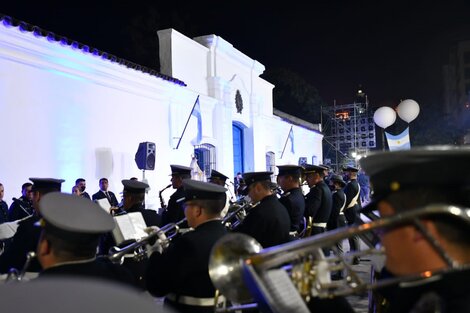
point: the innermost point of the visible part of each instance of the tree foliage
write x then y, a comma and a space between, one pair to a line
294, 95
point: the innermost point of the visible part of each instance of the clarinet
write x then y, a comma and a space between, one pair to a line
162, 202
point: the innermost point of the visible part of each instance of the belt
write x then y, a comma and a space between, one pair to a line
319, 225
193, 300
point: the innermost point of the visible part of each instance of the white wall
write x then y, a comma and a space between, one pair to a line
66, 114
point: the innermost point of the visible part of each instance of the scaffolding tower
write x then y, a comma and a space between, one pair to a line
349, 133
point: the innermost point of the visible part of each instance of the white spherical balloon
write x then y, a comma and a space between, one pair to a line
384, 117
408, 110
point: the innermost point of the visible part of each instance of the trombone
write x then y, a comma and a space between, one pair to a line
117, 254
300, 270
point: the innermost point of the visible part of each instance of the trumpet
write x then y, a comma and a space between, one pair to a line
117, 254
233, 219
301, 270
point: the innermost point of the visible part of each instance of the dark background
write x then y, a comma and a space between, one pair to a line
394, 49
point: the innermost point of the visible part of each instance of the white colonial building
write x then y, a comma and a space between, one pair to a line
69, 111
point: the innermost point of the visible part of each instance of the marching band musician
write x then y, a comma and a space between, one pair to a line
268, 222
181, 272
220, 179
437, 252
174, 211
292, 198
71, 230
351, 211
133, 201
27, 235
318, 201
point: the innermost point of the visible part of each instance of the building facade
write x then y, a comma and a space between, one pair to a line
68, 110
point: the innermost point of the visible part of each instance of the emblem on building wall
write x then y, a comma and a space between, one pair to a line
239, 102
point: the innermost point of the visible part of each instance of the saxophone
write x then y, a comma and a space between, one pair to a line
162, 201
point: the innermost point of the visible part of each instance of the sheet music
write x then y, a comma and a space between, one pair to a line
285, 296
8, 229
104, 203
129, 226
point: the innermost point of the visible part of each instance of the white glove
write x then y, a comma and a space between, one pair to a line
160, 243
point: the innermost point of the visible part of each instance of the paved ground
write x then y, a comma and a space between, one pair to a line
360, 303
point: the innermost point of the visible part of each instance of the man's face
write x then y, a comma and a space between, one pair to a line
104, 185
283, 181
36, 197
82, 186
191, 212
2, 192
312, 179
176, 181
254, 192
127, 201
398, 243
27, 193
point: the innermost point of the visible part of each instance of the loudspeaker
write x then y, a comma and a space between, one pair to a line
145, 156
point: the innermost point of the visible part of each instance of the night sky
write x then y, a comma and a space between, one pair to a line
395, 50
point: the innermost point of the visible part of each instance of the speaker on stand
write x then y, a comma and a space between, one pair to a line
145, 157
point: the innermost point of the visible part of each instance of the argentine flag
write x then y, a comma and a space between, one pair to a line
400, 141
197, 114
291, 137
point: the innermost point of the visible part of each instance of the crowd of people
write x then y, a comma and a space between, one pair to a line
72, 236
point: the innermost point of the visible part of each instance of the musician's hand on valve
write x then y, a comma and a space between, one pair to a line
156, 244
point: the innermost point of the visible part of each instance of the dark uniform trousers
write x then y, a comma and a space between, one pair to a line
350, 212
337, 218
181, 272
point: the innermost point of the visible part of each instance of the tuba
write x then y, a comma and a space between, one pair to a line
286, 277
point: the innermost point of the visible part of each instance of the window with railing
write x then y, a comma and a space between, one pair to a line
270, 162
206, 158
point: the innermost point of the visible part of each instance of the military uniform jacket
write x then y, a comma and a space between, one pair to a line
151, 217
294, 202
352, 191
112, 197
318, 203
339, 202
19, 209
25, 240
174, 211
100, 268
182, 269
449, 292
268, 222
